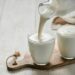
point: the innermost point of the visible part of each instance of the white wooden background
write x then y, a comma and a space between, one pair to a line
17, 19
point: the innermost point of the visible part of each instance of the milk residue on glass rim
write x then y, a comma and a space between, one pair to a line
67, 31
45, 38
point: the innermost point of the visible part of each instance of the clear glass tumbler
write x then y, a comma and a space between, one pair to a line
41, 51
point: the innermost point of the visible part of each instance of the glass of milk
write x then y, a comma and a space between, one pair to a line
66, 41
41, 43
41, 51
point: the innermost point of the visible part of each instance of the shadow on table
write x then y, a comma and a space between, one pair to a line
42, 72
68, 70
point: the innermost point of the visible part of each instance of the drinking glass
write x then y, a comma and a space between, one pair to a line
45, 47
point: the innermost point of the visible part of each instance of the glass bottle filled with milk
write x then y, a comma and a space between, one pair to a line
41, 44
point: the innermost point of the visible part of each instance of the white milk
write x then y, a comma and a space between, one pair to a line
66, 41
41, 51
41, 44
45, 14
41, 26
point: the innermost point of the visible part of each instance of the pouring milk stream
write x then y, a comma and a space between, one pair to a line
41, 44
46, 12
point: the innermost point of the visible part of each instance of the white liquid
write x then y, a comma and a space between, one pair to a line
66, 41
67, 31
41, 51
41, 26
41, 44
45, 14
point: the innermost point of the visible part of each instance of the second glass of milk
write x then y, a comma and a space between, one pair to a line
41, 51
66, 41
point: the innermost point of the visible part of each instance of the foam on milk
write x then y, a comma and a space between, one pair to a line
67, 31
41, 51
45, 38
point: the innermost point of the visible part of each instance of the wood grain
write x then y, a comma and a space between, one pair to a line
56, 61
